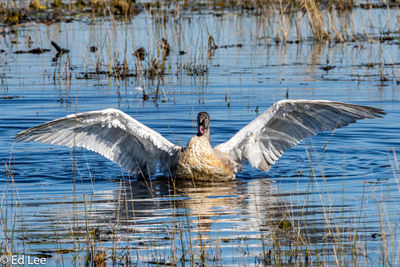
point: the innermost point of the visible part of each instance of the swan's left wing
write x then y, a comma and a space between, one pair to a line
111, 133
285, 124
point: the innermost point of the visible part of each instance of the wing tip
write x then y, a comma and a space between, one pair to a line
264, 167
373, 112
379, 113
21, 136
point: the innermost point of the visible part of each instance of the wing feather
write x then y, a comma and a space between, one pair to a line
111, 133
287, 123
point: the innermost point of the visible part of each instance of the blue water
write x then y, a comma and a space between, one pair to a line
53, 196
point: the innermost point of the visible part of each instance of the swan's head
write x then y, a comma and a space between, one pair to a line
203, 124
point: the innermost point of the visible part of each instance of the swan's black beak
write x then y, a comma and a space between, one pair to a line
201, 128
203, 122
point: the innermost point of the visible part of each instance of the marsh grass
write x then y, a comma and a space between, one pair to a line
283, 235
172, 51
331, 21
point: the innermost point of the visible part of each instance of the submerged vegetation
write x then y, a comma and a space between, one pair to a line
286, 229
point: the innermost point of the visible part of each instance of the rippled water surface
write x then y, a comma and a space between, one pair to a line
332, 199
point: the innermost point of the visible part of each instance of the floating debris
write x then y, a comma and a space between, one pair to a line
93, 49
195, 70
375, 235
230, 46
118, 72
211, 43
59, 49
165, 47
328, 68
9, 97
36, 51
140, 53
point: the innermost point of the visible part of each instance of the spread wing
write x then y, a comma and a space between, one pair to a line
285, 124
111, 133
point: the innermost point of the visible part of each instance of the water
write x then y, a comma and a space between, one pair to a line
313, 206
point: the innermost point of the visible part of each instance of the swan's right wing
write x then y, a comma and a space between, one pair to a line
111, 133
285, 124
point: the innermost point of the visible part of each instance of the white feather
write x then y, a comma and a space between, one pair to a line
285, 124
111, 133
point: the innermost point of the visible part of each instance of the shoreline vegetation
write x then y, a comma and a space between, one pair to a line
280, 23
330, 21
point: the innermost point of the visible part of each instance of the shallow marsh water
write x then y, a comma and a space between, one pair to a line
332, 199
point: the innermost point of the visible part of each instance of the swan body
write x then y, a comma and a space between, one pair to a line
140, 150
200, 162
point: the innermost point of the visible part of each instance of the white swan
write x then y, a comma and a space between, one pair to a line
139, 149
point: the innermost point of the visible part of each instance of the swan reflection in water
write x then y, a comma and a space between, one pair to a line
229, 222
232, 217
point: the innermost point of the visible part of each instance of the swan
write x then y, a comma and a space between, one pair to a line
140, 150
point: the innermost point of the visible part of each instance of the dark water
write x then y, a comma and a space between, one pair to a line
335, 206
